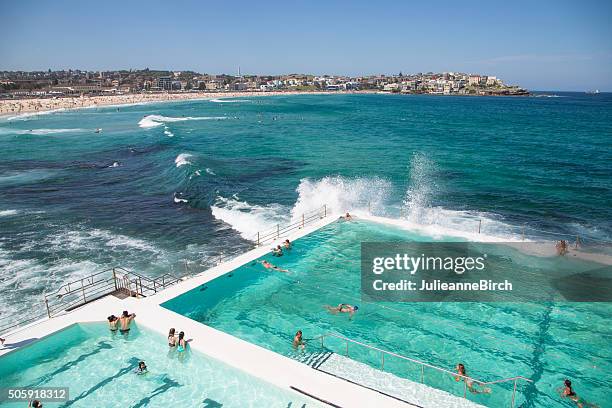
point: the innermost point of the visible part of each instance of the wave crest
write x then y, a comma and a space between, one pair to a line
151, 121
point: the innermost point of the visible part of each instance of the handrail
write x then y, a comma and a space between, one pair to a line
423, 364
273, 233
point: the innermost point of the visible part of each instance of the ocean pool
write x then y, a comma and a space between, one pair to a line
98, 368
546, 342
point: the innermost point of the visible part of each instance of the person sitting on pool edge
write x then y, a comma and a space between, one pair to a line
343, 308
268, 265
298, 341
125, 320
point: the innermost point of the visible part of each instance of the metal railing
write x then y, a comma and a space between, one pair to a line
466, 379
267, 236
77, 293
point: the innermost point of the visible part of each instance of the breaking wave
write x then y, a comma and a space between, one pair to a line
151, 121
216, 100
182, 159
39, 132
8, 213
249, 219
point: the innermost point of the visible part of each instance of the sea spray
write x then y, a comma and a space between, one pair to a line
249, 219
341, 194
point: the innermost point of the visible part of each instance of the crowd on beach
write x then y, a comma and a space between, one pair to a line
17, 106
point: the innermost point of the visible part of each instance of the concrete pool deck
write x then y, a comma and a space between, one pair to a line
252, 359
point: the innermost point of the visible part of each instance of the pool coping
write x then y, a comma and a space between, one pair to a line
252, 359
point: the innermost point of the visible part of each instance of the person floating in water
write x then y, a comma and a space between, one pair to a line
343, 308
112, 322
268, 265
278, 251
287, 244
298, 341
468, 381
142, 368
172, 340
35, 404
125, 320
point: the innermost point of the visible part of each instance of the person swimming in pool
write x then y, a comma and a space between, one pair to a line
298, 341
172, 340
468, 381
35, 404
112, 322
142, 368
287, 244
125, 320
343, 308
568, 392
268, 265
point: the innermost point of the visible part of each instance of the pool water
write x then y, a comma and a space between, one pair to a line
98, 367
546, 342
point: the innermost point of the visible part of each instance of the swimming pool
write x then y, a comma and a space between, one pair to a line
98, 367
546, 342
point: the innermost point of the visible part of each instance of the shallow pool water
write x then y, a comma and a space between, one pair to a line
546, 342
98, 368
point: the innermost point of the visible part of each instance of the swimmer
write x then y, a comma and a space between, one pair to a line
298, 341
35, 404
125, 320
343, 308
98, 130
568, 392
142, 368
468, 381
268, 265
112, 322
172, 338
346, 217
287, 244
182, 343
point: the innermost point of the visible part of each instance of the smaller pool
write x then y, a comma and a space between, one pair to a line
98, 367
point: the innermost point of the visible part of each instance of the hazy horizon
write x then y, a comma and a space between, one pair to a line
549, 45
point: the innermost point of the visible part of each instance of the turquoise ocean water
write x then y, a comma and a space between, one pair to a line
168, 187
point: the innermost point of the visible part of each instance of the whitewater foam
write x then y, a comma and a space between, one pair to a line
341, 194
168, 133
151, 121
217, 100
27, 115
182, 159
8, 213
209, 171
249, 219
38, 132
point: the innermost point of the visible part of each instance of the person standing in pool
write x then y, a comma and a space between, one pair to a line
125, 320
298, 341
182, 343
468, 381
287, 244
343, 308
142, 368
172, 340
112, 323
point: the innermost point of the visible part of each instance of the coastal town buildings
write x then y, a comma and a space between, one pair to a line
21, 84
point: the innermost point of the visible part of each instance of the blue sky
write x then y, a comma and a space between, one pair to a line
540, 44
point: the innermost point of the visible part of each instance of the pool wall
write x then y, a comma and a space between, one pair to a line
252, 359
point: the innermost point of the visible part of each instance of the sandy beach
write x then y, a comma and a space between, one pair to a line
19, 106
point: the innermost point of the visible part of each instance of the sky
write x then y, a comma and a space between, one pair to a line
539, 44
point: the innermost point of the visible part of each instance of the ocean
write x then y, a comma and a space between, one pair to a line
170, 187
